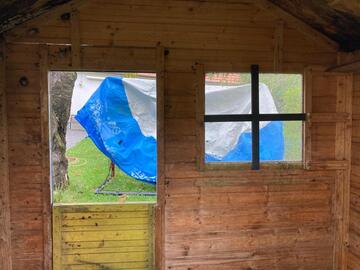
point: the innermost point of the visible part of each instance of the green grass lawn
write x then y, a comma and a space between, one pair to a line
88, 168
286, 90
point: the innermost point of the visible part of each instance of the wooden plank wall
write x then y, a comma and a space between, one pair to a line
25, 157
212, 219
247, 220
354, 233
103, 236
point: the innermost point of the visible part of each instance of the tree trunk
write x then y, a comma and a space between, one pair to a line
61, 90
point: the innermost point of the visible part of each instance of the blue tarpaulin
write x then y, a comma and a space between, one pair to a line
108, 120
271, 146
117, 125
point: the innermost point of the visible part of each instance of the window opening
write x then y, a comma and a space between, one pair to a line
103, 136
254, 120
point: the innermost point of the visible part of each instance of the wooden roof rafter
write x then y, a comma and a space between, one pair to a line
30, 26
14, 12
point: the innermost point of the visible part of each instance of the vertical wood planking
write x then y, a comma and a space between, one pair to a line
341, 96
160, 114
338, 203
200, 112
342, 84
278, 46
353, 240
46, 190
75, 39
307, 109
56, 232
349, 87
342, 181
5, 232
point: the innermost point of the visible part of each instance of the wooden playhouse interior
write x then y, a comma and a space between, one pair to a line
276, 218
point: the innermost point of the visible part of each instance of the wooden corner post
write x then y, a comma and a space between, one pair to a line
5, 232
342, 181
308, 110
46, 195
160, 116
200, 112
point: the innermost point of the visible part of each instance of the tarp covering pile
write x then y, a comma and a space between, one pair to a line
120, 118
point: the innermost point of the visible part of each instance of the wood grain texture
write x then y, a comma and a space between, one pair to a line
322, 14
354, 221
279, 46
103, 236
294, 21
200, 113
46, 189
307, 152
75, 39
281, 219
338, 89
5, 233
25, 156
206, 206
160, 188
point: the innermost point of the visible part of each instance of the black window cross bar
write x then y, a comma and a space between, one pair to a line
259, 117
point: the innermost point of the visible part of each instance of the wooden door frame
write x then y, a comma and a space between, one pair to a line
159, 69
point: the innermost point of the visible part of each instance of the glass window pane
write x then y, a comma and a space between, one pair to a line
227, 93
228, 142
281, 141
280, 93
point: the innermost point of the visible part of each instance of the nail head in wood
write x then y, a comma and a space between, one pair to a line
24, 81
65, 16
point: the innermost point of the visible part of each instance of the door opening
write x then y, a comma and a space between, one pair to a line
103, 167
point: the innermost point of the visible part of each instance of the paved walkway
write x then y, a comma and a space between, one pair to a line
74, 134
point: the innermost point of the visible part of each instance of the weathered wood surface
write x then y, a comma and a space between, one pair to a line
5, 232
45, 162
328, 17
209, 208
160, 136
354, 232
103, 236
186, 25
25, 156
272, 219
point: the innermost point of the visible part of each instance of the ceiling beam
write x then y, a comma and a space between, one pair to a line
301, 26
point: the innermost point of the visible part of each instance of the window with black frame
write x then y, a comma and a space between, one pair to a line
253, 118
